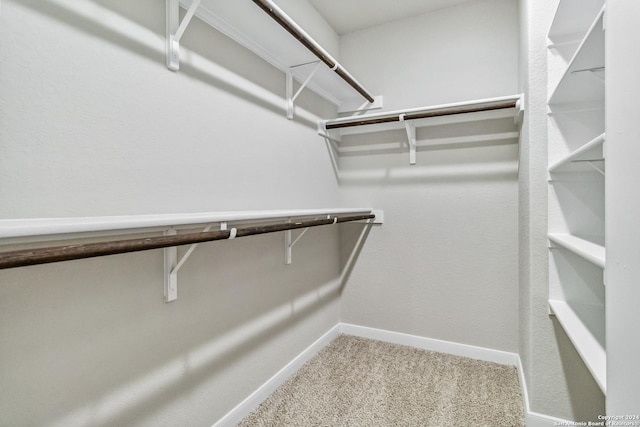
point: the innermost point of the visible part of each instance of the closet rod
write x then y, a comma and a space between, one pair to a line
25, 257
436, 112
294, 29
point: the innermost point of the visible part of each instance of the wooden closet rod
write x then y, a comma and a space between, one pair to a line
413, 115
285, 22
22, 258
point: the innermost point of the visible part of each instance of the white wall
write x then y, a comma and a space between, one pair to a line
465, 52
445, 264
92, 123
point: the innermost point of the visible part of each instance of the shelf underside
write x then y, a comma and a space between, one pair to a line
583, 81
582, 336
249, 26
573, 17
590, 251
579, 160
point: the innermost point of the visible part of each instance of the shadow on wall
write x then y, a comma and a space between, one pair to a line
445, 152
207, 55
105, 350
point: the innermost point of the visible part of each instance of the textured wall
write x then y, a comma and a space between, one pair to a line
445, 264
92, 123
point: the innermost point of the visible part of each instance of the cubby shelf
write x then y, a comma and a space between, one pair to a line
572, 160
584, 340
583, 80
571, 19
590, 251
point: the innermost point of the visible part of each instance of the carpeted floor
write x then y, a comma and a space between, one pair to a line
362, 382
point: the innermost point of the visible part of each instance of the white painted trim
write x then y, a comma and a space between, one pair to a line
479, 353
245, 407
532, 419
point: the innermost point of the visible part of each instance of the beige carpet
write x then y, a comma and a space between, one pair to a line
362, 382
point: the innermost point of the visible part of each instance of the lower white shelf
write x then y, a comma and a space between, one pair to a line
588, 250
589, 348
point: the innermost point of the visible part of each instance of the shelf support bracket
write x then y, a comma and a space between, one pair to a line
289, 89
288, 242
591, 163
175, 30
411, 137
172, 265
170, 261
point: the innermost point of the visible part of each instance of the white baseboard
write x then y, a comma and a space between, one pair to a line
473, 352
533, 419
243, 409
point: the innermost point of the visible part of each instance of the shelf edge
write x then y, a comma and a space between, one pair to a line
587, 346
583, 149
590, 251
567, 72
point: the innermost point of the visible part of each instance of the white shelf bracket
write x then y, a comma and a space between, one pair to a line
175, 30
411, 137
172, 265
170, 261
289, 243
591, 163
289, 89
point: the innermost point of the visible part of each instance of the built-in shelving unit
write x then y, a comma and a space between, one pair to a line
577, 158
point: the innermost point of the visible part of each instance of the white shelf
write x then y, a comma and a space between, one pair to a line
20, 228
583, 80
445, 117
249, 26
584, 340
590, 251
593, 148
571, 19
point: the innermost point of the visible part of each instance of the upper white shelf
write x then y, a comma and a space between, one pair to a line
247, 24
572, 19
583, 80
480, 109
590, 251
578, 160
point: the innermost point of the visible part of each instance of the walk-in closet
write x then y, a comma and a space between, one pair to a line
319, 213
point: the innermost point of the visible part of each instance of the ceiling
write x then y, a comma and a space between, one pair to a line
346, 16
